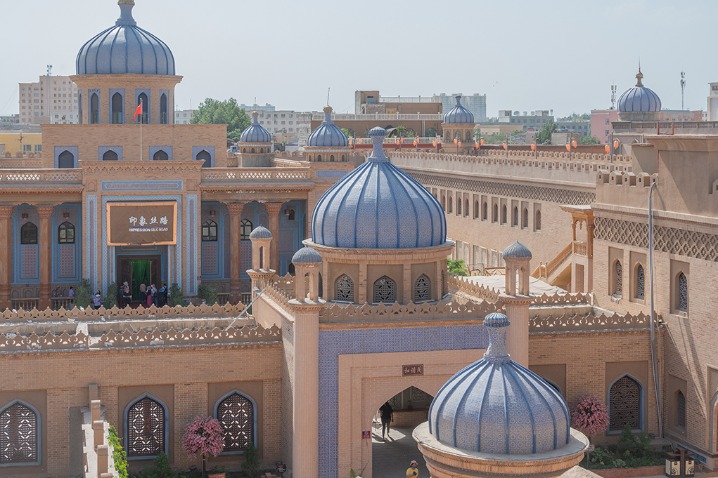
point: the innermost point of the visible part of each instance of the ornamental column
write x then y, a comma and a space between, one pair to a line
273, 210
235, 250
45, 213
5, 247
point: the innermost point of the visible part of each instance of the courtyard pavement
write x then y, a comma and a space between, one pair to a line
391, 457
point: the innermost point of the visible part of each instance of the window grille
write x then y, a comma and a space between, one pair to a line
618, 279
680, 409
28, 233
344, 289
682, 292
209, 230
66, 233
18, 435
384, 290
145, 428
236, 415
640, 282
245, 229
422, 289
625, 404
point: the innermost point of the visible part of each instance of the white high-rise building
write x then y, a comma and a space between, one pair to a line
53, 100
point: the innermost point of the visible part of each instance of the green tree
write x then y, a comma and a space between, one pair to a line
227, 112
431, 132
347, 132
544, 135
457, 267
404, 132
83, 294
590, 140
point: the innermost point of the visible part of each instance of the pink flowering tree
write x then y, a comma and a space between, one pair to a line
203, 437
590, 416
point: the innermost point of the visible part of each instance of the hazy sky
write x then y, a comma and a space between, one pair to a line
524, 55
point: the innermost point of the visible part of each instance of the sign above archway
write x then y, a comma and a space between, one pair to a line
141, 223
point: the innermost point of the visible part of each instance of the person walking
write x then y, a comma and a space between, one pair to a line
413, 470
97, 300
387, 416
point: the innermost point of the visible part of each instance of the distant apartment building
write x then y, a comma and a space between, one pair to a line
53, 99
371, 102
533, 121
579, 128
183, 116
12, 119
256, 107
601, 124
285, 125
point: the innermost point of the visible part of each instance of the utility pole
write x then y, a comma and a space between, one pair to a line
683, 87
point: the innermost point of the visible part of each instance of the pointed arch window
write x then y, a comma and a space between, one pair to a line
94, 108
110, 155
537, 221
160, 155
504, 211
66, 160
145, 437
495, 216
164, 117
680, 410
344, 289
458, 206
422, 289
245, 229
209, 230
66, 233
236, 414
525, 217
640, 282
28, 233
617, 279
682, 290
204, 156
466, 207
484, 211
142, 99
476, 209
117, 109
19, 435
624, 403
450, 204
384, 290
515, 216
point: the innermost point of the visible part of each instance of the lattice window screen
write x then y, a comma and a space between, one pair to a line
384, 290
640, 282
618, 279
422, 289
682, 292
236, 415
344, 289
18, 435
145, 428
625, 404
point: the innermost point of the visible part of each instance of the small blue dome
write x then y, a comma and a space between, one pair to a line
306, 255
517, 251
497, 406
327, 135
459, 114
639, 99
255, 133
260, 232
125, 49
378, 206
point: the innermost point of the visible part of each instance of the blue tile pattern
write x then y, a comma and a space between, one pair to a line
378, 206
639, 99
125, 49
497, 406
517, 251
333, 343
260, 232
327, 134
255, 133
458, 114
306, 255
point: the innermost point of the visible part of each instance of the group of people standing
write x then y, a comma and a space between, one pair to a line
149, 295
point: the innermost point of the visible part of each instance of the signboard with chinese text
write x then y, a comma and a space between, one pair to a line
141, 223
414, 369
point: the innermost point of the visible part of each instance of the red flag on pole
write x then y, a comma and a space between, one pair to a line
138, 111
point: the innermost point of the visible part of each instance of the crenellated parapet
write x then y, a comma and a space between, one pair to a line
431, 311
623, 187
590, 322
479, 291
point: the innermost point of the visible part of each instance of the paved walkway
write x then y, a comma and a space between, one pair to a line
391, 457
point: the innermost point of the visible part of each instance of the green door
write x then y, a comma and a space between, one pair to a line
141, 270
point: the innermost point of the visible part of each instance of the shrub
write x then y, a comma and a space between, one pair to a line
160, 469
208, 293
250, 465
119, 456
176, 296
83, 294
111, 296
590, 416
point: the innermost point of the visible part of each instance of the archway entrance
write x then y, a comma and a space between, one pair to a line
392, 452
137, 270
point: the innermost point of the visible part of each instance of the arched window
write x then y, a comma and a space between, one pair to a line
331, 158
142, 99
110, 155
79, 107
117, 110
291, 269
640, 282
495, 216
484, 211
682, 291
476, 209
450, 204
422, 289
624, 404
28, 233
145, 419
164, 117
504, 211
525, 217
458, 206
537, 220
291, 214
319, 158
515, 216
204, 156
66, 160
617, 279
160, 155
344, 289
66, 233
384, 290
209, 230
236, 415
19, 435
680, 409
245, 229
94, 108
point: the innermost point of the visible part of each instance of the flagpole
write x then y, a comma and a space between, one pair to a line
142, 112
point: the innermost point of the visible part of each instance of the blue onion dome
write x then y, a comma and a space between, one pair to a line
125, 49
327, 134
255, 133
517, 251
497, 406
639, 99
378, 206
260, 232
459, 114
306, 255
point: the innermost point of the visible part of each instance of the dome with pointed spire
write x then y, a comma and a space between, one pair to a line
378, 206
458, 114
496, 406
639, 99
125, 48
327, 134
255, 133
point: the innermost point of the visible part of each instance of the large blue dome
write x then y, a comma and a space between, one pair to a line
497, 406
327, 135
378, 206
125, 49
255, 133
639, 99
458, 114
